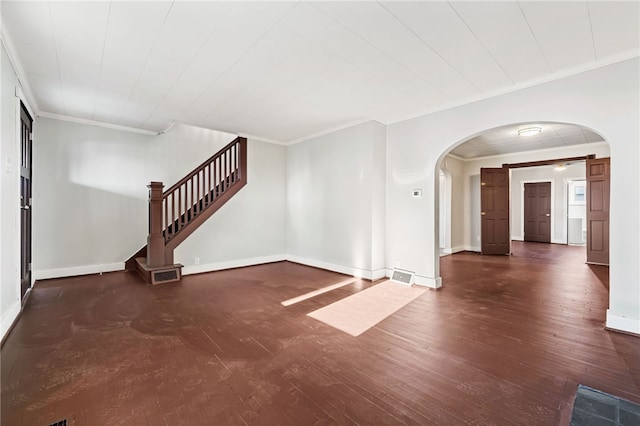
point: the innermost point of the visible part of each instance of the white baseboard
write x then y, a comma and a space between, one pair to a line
9, 318
458, 249
629, 325
517, 237
347, 270
239, 263
422, 281
45, 274
428, 282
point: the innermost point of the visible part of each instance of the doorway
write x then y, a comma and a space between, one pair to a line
537, 212
26, 144
576, 212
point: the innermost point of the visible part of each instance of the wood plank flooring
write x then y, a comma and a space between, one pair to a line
505, 341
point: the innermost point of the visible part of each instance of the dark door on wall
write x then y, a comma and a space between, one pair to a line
494, 206
537, 212
25, 200
598, 172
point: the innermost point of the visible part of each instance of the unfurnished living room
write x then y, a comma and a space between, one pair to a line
320, 213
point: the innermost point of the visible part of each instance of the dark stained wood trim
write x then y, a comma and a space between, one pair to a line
130, 264
547, 162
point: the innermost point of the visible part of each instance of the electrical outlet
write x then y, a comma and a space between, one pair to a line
196, 261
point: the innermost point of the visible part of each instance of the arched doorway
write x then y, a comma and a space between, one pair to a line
500, 146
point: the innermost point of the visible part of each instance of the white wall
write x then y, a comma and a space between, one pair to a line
250, 228
455, 168
10, 196
605, 100
336, 201
558, 192
90, 198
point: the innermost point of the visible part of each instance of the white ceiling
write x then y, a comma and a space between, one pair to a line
505, 140
286, 70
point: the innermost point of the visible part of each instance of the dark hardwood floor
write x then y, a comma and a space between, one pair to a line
506, 341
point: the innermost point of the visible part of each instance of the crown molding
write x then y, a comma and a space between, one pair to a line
25, 93
95, 123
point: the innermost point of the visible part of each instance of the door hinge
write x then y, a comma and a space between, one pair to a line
29, 266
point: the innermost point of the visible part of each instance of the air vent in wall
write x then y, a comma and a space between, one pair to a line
402, 276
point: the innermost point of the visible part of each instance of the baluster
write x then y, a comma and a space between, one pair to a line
179, 207
165, 227
173, 213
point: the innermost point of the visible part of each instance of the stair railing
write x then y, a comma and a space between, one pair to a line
175, 213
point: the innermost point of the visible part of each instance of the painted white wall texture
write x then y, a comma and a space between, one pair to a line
10, 196
605, 100
336, 201
90, 198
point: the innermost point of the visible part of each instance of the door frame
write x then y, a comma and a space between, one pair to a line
26, 215
444, 218
565, 185
553, 207
22, 99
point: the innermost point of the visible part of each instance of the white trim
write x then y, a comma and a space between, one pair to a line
88, 122
458, 157
624, 56
28, 97
21, 95
347, 270
230, 264
621, 323
9, 318
458, 249
332, 130
537, 151
421, 280
45, 274
517, 237
428, 282
261, 139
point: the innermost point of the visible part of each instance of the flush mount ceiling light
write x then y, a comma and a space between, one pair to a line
560, 167
529, 131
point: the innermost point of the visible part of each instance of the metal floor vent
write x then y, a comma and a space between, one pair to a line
62, 422
165, 276
401, 276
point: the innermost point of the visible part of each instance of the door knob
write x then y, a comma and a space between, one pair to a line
24, 207
548, 214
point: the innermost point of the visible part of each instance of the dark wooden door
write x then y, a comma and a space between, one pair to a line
537, 212
25, 200
598, 172
494, 206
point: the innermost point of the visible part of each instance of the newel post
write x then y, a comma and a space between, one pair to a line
155, 240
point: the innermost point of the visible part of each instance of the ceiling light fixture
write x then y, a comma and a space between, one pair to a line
529, 131
560, 167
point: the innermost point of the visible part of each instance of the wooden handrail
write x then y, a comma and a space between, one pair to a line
201, 166
175, 213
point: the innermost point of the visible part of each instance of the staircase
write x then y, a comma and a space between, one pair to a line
177, 212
